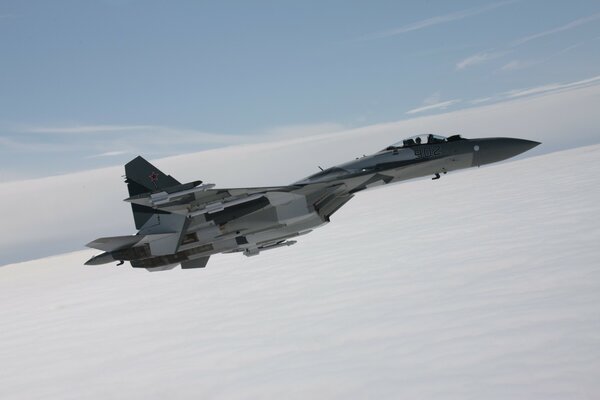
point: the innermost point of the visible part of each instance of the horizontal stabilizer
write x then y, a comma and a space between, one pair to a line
160, 243
115, 242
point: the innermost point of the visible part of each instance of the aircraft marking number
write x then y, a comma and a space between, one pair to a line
428, 152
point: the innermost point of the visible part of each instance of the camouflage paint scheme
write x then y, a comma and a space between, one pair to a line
187, 223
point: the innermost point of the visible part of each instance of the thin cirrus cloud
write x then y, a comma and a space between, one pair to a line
133, 131
439, 19
566, 27
436, 106
552, 87
111, 140
482, 57
516, 65
479, 58
187, 135
109, 154
480, 100
82, 129
514, 94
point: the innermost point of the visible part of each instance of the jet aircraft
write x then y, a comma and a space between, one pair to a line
184, 224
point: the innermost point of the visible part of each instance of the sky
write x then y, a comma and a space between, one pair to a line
92, 84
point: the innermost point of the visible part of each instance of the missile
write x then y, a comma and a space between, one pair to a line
168, 195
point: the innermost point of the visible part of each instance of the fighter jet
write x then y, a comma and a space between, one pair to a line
184, 224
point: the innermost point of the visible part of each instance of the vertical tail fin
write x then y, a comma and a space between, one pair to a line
143, 177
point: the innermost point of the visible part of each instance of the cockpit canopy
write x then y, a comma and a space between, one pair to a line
423, 139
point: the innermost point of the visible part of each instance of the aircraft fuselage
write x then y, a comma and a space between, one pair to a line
256, 220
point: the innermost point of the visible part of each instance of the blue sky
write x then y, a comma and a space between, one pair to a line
87, 84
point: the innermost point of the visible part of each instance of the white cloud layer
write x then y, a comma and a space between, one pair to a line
482, 285
79, 203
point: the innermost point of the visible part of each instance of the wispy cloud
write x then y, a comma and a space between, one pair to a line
517, 64
101, 140
440, 19
479, 58
82, 129
433, 99
541, 90
521, 64
482, 57
150, 133
26, 145
481, 100
552, 87
569, 48
566, 27
436, 106
109, 154
303, 130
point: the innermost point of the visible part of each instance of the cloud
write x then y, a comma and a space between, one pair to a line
543, 118
436, 106
80, 129
156, 134
566, 27
433, 99
182, 134
109, 154
516, 65
481, 100
552, 87
483, 57
508, 95
99, 141
569, 48
519, 64
440, 19
479, 58
31, 146
293, 131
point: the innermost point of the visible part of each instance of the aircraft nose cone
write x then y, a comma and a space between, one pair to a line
499, 149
